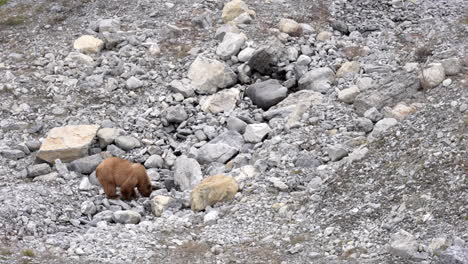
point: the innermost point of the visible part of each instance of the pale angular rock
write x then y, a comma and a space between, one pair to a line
404, 245
348, 67
381, 128
292, 53
438, 244
318, 80
214, 189
294, 106
62, 169
233, 9
231, 138
349, 94
373, 114
454, 255
244, 173
67, 143
337, 152
133, 83
266, 94
234, 123
187, 173
244, 72
290, 27
223, 101
183, 87
314, 185
324, 36
447, 82
365, 83
357, 155
38, 169
401, 110
222, 30
211, 217
245, 54
176, 114
88, 208
154, 49
109, 25
79, 58
159, 203
432, 76
255, 133
231, 45
88, 44
85, 184
277, 183
243, 18
411, 66
452, 66
127, 142
216, 152
154, 161
307, 29
126, 217
107, 136
209, 75
364, 124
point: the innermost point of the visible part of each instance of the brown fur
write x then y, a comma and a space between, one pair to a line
113, 172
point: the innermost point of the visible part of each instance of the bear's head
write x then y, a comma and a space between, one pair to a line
145, 189
144, 183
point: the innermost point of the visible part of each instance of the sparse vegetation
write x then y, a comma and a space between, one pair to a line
178, 51
296, 172
421, 54
14, 21
464, 20
300, 238
3, 2
357, 250
5, 252
28, 253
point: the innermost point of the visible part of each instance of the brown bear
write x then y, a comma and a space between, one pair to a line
113, 172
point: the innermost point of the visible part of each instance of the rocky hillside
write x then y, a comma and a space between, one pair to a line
337, 130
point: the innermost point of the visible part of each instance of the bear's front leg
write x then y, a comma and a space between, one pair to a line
110, 190
128, 191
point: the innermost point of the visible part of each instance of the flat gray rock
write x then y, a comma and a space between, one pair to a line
175, 114
86, 165
187, 173
216, 152
127, 142
38, 169
126, 217
266, 94
255, 133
